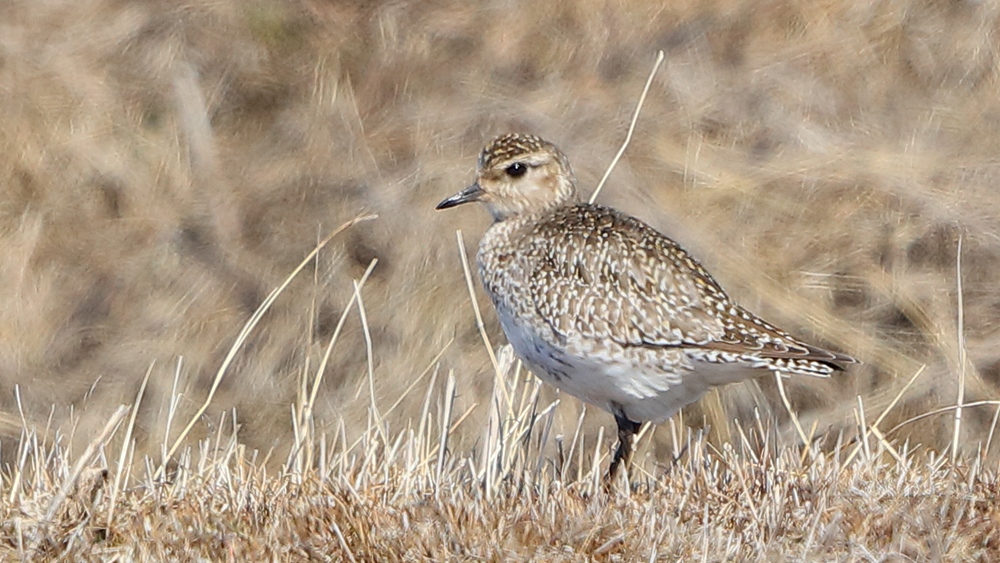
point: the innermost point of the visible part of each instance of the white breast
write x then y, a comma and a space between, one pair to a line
644, 390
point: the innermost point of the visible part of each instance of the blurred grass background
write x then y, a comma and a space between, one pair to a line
165, 165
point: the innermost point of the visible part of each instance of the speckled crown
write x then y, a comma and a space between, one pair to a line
512, 145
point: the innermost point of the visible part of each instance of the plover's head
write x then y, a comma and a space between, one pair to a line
519, 174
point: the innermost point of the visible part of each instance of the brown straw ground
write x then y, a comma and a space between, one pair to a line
523, 493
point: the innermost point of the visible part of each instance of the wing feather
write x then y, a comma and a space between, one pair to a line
597, 274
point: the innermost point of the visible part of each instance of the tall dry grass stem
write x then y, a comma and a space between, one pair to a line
245, 333
631, 128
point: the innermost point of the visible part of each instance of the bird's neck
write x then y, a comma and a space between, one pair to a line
533, 213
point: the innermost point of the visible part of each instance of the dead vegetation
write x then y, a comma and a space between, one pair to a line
524, 493
166, 166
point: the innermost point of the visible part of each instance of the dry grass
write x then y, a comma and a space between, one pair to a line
165, 166
524, 493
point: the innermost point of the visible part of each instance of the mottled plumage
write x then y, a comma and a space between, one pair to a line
603, 306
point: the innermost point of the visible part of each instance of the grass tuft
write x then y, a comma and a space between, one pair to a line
518, 494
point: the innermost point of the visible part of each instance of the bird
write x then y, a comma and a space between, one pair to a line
604, 307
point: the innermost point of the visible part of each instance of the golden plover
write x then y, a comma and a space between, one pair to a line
606, 308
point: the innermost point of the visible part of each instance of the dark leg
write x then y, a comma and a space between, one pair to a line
626, 430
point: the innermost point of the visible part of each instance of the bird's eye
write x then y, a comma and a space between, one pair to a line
516, 170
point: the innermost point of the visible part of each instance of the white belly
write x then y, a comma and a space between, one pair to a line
649, 388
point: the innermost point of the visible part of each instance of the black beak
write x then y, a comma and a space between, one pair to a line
472, 193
